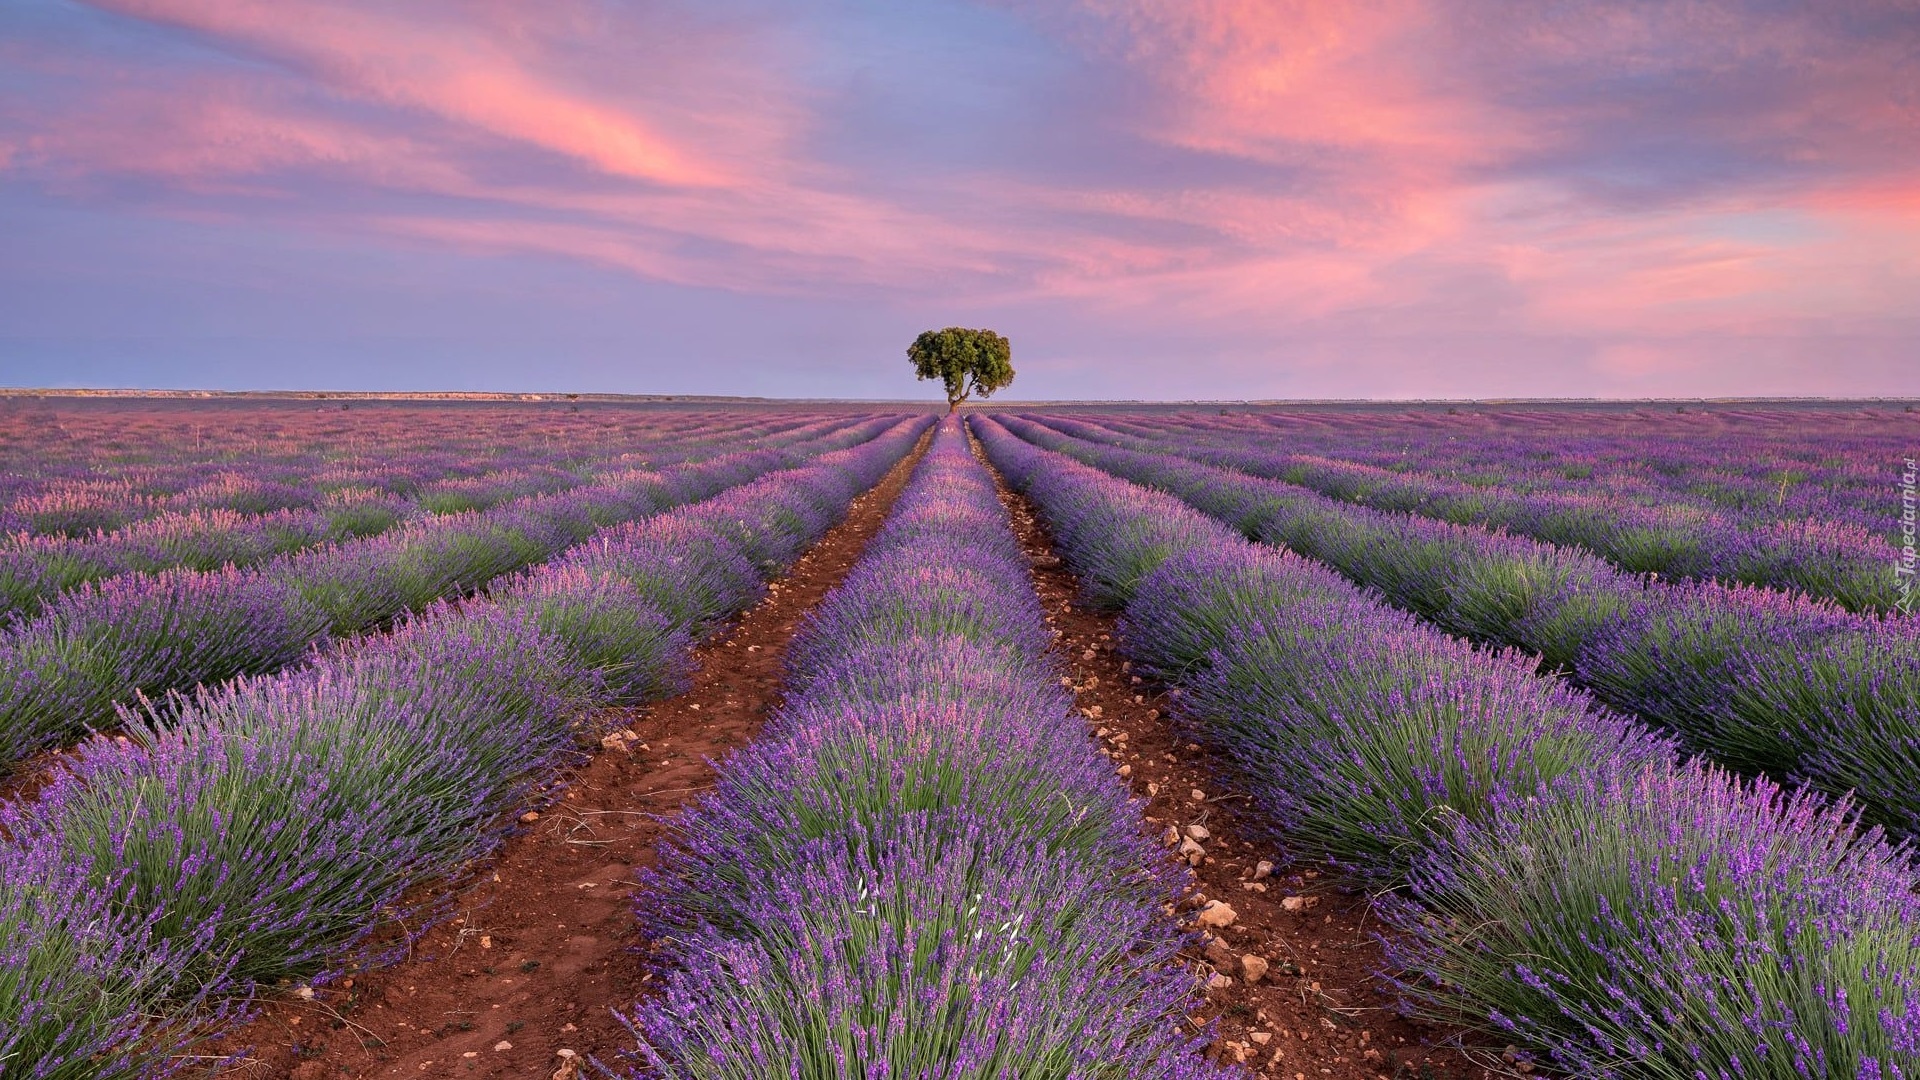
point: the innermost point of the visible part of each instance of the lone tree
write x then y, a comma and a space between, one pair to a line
968, 361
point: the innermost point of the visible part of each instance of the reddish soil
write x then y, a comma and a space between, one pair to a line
1321, 1008
541, 953
26, 779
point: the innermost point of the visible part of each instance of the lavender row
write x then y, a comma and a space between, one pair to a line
148, 471
35, 569
271, 829
1759, 466
85, 509
922, 869
440, 478
1760, 680
1556, 875
1841, 562
147, 634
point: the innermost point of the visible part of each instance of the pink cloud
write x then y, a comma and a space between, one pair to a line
444, 68
1275, 167
1288, 81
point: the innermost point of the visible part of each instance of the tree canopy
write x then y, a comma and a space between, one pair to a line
967, 361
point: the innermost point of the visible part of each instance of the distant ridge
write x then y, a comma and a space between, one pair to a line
364, 395
483, 396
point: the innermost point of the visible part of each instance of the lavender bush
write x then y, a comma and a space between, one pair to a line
266, 829
1564, 880
928, 951
142, 635
634, 649
149, 634
1849, 699
1663, 532
83, 981
1679, 655
220, 522
922, 869
1366, 733
1676, 922
1197, 601
280, 818
1684, 654
684, 567
934, 591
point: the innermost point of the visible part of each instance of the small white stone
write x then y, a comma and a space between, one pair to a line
1253, 968
1217, 914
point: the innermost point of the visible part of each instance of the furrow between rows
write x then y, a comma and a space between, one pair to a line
1845, 564
922, 868
1762, 681
1295, 987
1558, 876
274, 826
36, 569
112, 643
526, 977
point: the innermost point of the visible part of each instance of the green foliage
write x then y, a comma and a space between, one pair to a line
360, 519
967, 361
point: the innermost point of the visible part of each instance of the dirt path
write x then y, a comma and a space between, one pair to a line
539, 954
1320, 1007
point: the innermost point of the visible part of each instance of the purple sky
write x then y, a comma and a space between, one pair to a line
1189, 198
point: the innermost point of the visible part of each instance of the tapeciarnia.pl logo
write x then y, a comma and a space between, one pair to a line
1903, 572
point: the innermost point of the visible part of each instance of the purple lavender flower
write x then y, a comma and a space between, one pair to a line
149, 634
88, 988
685, 567
922, 868
635, 650
1574, 887
1688, 656
1675, 921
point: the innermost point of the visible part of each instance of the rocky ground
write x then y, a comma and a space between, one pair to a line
524, 979
1290, 952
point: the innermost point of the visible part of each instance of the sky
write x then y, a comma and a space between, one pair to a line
1218, 199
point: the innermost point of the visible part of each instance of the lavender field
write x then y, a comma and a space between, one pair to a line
1589, 739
